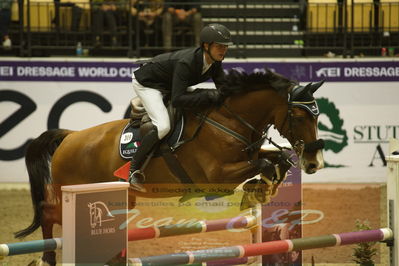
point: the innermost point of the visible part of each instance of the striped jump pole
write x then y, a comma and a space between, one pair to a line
238, 222
266, 248
138, 234
227, 262
192, 228
11, 249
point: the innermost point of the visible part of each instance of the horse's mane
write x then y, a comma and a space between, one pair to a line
241, 82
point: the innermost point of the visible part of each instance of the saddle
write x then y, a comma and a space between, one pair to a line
139, 117
139, 124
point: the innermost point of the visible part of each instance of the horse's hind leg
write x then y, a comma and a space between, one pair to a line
51, 215
49, 257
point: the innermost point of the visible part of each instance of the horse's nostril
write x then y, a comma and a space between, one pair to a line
312, 166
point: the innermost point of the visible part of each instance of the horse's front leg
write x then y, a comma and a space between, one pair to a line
256, 191
240, 171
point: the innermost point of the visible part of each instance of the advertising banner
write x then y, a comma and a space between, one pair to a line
358, 105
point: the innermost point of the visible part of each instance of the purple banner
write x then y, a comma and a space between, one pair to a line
330, 71
350, 71
66, 71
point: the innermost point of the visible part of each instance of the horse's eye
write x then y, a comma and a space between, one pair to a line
299, 119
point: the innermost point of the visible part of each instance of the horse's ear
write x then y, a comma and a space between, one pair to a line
300, 92
315, 86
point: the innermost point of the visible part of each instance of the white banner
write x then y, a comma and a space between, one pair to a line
357, 120
72, 99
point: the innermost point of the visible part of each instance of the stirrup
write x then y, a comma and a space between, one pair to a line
136, 178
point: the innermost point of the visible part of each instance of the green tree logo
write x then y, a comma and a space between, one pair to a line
331, 128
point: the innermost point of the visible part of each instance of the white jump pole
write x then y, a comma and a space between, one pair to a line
393, 200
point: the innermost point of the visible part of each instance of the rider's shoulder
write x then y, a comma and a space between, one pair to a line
187, 53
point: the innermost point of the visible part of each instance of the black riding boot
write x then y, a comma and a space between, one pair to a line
136, 177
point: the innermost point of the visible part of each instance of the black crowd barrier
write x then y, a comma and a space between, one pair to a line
135, 28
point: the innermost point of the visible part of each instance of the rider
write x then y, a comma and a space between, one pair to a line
167, 76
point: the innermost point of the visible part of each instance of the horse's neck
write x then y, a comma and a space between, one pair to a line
259, 108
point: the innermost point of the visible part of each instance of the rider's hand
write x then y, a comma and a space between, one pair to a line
214, 96
199, 98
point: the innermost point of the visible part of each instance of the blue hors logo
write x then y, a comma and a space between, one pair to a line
99, 214
328, 72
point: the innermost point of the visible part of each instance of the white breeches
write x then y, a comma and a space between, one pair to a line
153, 103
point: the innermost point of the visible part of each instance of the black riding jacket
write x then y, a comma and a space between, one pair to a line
172, 73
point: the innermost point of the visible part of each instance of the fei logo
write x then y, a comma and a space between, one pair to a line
328, 72
99, 213
331, 128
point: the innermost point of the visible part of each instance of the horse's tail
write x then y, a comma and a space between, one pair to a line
37, 159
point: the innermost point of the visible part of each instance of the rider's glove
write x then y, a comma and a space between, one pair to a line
214, 96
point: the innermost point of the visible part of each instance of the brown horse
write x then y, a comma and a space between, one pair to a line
225, 152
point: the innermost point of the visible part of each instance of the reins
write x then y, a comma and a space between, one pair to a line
255, 145
258, 143
250, 146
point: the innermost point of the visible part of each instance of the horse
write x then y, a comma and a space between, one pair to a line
222, 147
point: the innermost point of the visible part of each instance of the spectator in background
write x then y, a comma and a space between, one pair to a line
180, 14
132, 7
128, 14
5, 20
149, 16
104, 12
77, 11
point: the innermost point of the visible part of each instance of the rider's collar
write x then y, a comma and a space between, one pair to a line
205, 65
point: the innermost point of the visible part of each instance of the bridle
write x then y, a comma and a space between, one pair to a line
313, 109
254, 146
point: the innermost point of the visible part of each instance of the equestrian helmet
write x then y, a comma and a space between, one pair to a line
216, 33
